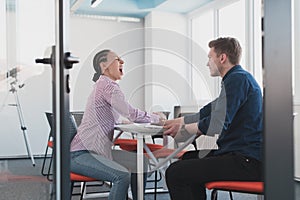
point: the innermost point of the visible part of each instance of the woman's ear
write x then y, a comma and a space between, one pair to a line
103, 67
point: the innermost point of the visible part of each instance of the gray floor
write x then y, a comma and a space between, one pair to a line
19, 180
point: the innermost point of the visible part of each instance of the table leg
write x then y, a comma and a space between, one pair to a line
140, 167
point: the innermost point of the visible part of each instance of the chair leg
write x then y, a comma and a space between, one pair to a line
230, 194
155, 184
49, 169
83, 190
72, 187
44, 162
214, 194
45, 158
194, 144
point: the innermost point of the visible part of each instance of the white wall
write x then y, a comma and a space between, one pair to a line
167, 72
35, 32
2, 35
87, 37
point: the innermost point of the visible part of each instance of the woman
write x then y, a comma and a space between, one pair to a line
91, 148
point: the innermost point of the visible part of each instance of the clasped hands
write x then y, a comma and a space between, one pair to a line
177, 128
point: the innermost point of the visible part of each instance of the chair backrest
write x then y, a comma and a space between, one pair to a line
185, 113
72, 129
180, 111
49, 117
77, 117
72, 126
177, 111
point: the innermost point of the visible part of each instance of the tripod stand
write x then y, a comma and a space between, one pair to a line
21, 118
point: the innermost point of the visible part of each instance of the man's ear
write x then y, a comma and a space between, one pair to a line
223, 58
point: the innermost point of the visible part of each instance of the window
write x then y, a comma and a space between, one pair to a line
240, 19
232, 20
202, 32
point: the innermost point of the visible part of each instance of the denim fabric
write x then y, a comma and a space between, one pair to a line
129, 160
100, 168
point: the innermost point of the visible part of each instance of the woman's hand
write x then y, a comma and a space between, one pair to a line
162, 118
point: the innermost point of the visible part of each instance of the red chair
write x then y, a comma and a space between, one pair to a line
49, 117
76, 120
80, 178
131, 145
251, 187
120, 141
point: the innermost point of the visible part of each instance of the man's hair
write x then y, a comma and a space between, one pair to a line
230, 46
101, 56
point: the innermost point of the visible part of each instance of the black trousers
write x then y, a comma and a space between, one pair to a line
186, 178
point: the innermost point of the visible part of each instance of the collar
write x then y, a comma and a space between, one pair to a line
234, 68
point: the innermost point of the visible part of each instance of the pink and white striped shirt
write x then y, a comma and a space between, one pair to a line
105, 105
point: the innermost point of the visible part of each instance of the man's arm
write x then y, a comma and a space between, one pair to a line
192, 118
192, 129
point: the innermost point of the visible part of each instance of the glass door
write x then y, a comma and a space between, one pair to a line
26, 32
33, 32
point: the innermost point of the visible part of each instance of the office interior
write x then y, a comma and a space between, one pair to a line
163, 44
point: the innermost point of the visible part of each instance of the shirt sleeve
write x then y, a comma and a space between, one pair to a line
116, 99
203, 112
192, 118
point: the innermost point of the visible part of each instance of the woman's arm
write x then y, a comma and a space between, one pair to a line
121, 106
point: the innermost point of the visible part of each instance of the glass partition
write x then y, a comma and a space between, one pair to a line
27, 31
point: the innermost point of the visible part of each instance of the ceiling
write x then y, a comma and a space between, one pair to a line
135, 8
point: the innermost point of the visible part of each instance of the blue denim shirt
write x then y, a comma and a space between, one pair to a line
236, 115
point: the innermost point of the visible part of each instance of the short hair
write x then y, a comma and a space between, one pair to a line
230, 46
101, 56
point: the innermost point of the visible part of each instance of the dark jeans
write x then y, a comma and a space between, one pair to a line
186, 178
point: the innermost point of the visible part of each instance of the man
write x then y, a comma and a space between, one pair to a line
236, 115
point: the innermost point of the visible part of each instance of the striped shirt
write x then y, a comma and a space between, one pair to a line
104, 107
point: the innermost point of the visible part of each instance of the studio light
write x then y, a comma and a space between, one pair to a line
95, 3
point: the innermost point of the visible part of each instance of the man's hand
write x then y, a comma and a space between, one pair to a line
173, 126
179, 131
